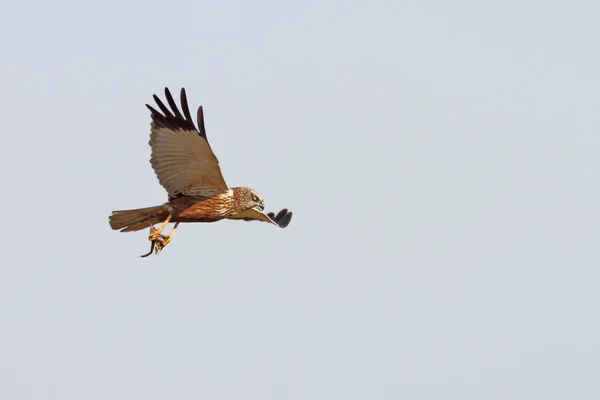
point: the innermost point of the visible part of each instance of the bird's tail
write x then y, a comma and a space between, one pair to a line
138, 219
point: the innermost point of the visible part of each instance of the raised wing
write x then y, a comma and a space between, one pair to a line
282, 219
181, 156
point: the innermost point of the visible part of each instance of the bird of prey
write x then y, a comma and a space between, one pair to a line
189, 171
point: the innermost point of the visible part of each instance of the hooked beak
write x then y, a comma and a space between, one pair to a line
260, 207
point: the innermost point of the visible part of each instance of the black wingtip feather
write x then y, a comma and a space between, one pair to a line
173, 118
184, 105
162, 107
173, 105
285, 220
283, 217
200, 118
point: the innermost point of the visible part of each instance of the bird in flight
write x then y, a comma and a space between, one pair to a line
189, 171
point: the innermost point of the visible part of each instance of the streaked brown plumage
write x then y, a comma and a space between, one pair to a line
188, 169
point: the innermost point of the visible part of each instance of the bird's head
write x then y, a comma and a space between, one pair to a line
246, 198
254, 200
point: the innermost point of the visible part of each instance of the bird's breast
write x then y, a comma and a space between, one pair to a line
207, 210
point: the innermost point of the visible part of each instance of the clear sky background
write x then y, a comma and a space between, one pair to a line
440, 158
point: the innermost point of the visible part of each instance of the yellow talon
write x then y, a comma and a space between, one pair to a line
160, 241
155, 233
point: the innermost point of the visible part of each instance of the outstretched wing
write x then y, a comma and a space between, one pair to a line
181, 156
282, 219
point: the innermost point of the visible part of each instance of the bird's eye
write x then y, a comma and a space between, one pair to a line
254, 198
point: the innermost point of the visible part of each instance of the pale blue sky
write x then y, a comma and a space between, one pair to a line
440, 159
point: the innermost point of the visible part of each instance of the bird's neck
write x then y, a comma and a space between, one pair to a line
239, 197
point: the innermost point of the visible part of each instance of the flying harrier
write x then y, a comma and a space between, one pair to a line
188, 169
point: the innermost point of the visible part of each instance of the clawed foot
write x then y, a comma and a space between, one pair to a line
155, 234
158, 241
161, 243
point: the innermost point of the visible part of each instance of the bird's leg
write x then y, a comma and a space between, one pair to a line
155, 233
168, 238
164, 241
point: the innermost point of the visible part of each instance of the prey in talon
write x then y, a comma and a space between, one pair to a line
156, 243
188, 169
